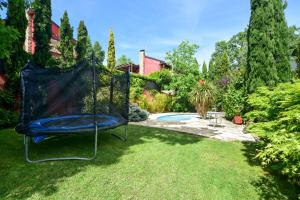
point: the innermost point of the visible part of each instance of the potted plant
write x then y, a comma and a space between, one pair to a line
238, 118
233, 105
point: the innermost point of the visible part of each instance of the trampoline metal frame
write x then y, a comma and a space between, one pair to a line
27, 158
124, 139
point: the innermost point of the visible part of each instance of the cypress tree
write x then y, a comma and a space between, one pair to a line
16, 19
82, 35
99, 53
66, 45
204, 70
111, 57
89, 49
211, 70
261, 68
281, 50
42, 31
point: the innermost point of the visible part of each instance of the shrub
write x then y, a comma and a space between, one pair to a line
276, 113
281, 154
202, 97
138, 84
136, 114
163, 78
6, 99
182, 85
233, 102
8, 118
159, 103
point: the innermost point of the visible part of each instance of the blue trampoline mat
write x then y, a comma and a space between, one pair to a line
70, 124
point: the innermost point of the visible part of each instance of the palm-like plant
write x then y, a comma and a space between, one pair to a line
202, 97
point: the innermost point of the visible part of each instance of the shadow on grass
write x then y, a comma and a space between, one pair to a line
20, 180
270, 186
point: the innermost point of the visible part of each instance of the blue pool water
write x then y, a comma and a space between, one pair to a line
177, 117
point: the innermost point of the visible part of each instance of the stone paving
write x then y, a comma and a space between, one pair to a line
226, 131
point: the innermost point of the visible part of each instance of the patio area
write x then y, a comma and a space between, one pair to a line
224, 130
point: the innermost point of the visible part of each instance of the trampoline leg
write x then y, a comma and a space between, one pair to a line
124, 138
26, 144
26, 138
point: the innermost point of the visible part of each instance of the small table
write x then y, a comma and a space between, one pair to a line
214, 118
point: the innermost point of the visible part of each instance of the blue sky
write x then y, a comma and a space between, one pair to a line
160, 25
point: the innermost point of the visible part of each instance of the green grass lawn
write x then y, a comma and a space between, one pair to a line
152, 164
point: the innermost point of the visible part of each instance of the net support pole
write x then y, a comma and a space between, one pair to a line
126, 105
95, 99
111, 93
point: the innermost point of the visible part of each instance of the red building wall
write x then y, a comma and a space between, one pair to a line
55, 31
30, 33
2, 81
151, 65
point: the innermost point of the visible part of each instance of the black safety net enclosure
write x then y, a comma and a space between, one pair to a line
83, 98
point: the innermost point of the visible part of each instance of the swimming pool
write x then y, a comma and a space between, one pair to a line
178, 117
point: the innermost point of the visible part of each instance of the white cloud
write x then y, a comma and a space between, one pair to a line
125, 45
188, 9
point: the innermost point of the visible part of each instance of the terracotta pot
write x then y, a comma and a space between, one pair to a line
238, 120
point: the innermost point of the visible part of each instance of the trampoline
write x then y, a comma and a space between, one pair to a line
81, 99
71, 123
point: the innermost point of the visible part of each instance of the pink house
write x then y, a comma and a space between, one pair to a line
29, 41
148, 65
3, 77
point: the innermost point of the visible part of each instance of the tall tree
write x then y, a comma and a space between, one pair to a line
8, 36
220, 48
42, 31
298, 59
82, 35
294, 47
89, 49
185, 74
16, 19
211, 70
99, 53
66, 45
124, 60
222, 66
6, 45
111, 57
281, 50
183, 59
261, 68
204, 70
237, 50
